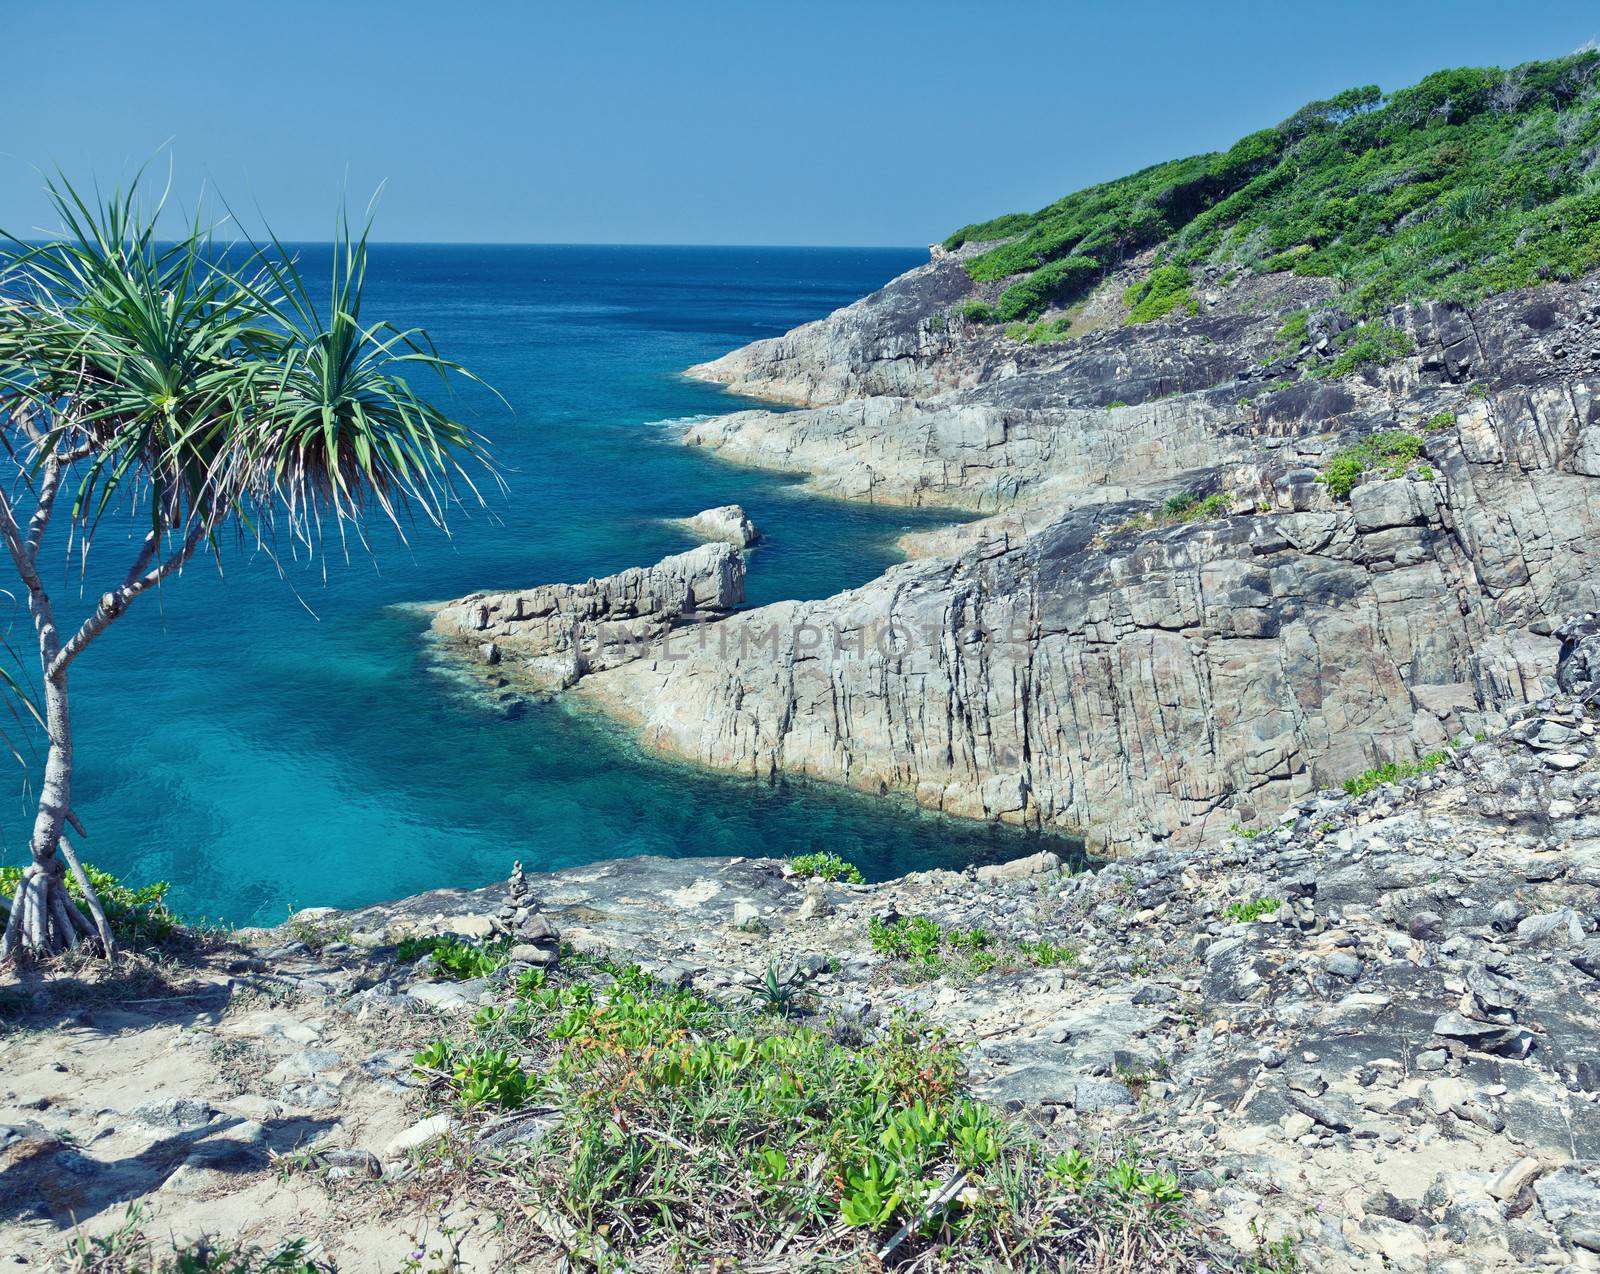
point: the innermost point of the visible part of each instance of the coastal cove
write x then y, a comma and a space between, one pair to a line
307, 750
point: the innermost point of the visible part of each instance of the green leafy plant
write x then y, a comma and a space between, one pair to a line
1366, 345
1393, 772
453, 958
1389, 452
1247, 912
1439, 420
138, 915
977, 312
1166, 290
1048, 955
828, 866
1295, 331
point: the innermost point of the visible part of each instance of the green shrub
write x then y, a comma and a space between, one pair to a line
1047, 955
1367, 345
1295, 331
1186, 506
915, 939
139, 917
1391, 452
977, 312
1166, 289
455, 959
1053, 282
828, 866
1439, 420
1393, 772
1245, 912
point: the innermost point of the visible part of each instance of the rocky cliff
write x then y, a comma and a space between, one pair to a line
1082, 659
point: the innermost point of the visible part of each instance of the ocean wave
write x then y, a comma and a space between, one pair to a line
679, 422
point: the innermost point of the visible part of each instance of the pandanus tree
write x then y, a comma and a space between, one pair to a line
157, 397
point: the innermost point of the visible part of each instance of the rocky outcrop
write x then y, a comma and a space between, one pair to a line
727, 522
895, 341
557, 633
1135, 681
1108, 653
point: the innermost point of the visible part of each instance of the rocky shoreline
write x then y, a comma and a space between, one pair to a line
1083, 659
1368, 1028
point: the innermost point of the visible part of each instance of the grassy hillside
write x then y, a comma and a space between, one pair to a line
1472, 181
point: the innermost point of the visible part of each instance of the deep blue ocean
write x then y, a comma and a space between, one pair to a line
270, 740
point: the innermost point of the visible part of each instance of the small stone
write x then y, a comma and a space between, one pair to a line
1343, 965
1297, 1125
1089, 1096
1510, 1183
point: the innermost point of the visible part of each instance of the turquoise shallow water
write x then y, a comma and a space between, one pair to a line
268, 742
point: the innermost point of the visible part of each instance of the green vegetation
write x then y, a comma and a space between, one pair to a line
1439, 420
828, 866
1393, 772
1472, 181
924, 950
1165, 290
1179, 508
139, 917
1049, 331
1391, 452
689, 1131
454, 958
1367, 345
977, 312
1245, 912
1047, 955
1295, 331
1248, 833
1053, 281
1186, 506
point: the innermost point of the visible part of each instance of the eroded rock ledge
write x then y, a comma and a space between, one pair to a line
558, 633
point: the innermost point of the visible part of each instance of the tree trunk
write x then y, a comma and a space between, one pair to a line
44, 917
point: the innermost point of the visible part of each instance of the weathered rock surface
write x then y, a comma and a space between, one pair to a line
559, 632
727, 522
1072, 663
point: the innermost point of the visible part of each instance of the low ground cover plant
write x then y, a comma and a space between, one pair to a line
692, 1131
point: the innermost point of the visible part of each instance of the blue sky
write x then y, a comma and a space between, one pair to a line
685, 122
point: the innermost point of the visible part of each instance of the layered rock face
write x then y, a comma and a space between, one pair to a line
557, 633
1081, 669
